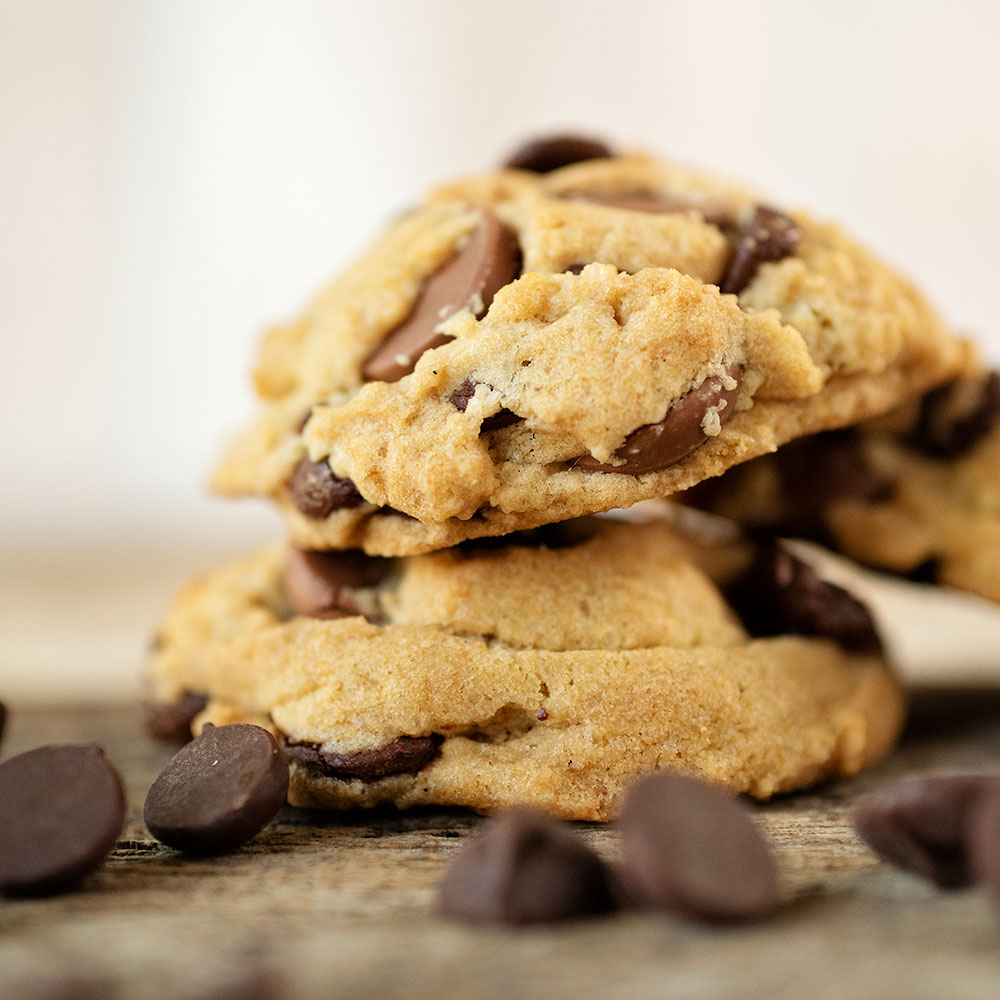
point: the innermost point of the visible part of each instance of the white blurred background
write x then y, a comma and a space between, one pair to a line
175, 175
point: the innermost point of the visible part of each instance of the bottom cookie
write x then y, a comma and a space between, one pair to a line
489, 676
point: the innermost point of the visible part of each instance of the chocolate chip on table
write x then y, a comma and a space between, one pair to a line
542, 156
770, 236
317, 492
460, 400
489, 260
170, 721
782, 594
61, 811
324, 584
404, 755
220, 790
525, 868
923, 825
954, 418
657, 446
691, 847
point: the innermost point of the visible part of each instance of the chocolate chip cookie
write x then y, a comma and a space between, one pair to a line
548, 669
914, 493
563, 337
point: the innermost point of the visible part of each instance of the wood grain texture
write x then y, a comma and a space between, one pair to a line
342, 905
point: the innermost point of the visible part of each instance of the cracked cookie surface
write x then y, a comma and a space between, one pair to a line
551, 670
515, 351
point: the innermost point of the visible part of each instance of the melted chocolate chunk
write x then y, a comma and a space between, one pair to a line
716, 213
923, 825
222, 789
3, 721
770, 236
170, 721
460, 400
61, 811
781, 594
317, 492
405, 755
489, 260
525, 868
324, 584
691, 847
657, 446
983, 838
542, 156
956, 417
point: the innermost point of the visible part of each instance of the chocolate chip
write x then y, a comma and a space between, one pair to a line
542, 156
170, 721
224, 787
317, 492
404, 755
489, 260
61, 811
525, 868
782, 594
460, 400
3, 721
923, 824
770, 236
691, 847
956, 417
716, 213
324, 584
657, 446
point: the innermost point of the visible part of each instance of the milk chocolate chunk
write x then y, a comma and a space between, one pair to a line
691, 847
954, 418
525, 868
770, 236
489, 259
657, 446
404, 755
317, 492
460, 400
170, 721
542, 156
983, 838
923, 825
782, 594
61, 811
716, 213
220, 790
324, 584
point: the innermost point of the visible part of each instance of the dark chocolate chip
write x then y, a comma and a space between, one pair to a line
61, 811
956, 417
525, 868
657, 446
922, 825
691, 847
489, 260
576, 268
542, 156
222, 789
3, 721
317, 492
716, 213
405, 755
324, 584
170, 721
781, 594
770, 236
983, 837
460, 400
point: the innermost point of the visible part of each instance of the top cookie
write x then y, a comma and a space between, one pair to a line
527, 347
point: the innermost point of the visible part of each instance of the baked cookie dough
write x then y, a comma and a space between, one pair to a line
524, 348
916, 492
549, 671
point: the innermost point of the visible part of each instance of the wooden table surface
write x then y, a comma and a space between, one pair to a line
342, 905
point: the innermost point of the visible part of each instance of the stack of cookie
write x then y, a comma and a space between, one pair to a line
447, 621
